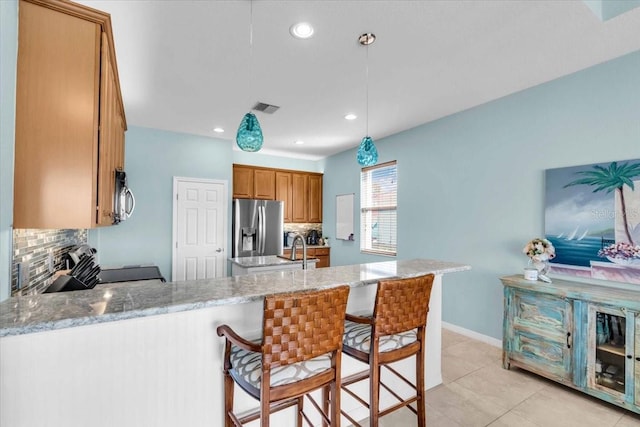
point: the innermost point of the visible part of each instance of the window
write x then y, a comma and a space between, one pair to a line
378, 205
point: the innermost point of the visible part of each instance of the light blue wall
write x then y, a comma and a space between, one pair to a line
471, 185
8, 61
153, 157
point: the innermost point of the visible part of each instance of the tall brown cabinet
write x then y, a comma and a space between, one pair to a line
70, 120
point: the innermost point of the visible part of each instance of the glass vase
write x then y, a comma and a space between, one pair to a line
542, 267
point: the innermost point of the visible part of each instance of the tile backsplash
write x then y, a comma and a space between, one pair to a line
302, 228
31, 249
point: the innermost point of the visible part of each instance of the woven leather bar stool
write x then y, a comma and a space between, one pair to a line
395, 331
300, 351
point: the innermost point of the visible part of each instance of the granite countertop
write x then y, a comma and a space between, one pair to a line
266, 261
43, 312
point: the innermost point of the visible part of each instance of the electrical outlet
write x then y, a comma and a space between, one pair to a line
50, 264
23, 274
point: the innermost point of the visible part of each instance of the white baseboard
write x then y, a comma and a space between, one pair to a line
472, 334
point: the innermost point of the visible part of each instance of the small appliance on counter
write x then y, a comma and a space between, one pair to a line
290, 236
313, 237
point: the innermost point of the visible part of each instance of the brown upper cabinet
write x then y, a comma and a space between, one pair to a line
242, 182
315, 198
300, 197
250, 182
301, 192
264, 184
284, 192
70, 121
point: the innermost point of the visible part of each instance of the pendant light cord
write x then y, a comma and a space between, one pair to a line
367, 85
367, 79
250, 51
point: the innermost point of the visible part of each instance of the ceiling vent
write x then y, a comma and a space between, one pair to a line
265, 108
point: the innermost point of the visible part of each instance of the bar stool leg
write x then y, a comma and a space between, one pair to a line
265, 406
420, 386
228, 399
335, 405
374, 388
300, 407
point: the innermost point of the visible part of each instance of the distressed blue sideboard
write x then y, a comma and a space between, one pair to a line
585, 336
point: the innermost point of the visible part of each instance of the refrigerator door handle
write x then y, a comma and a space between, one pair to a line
261, 235
264, 230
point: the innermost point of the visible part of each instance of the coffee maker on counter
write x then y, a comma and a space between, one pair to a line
313, 237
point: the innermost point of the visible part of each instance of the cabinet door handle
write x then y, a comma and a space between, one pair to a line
638, 359
629, 356
568, 339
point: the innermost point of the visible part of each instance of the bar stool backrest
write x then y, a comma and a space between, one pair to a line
401, 304
302, 326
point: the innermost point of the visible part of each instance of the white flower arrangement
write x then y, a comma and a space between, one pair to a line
540, 250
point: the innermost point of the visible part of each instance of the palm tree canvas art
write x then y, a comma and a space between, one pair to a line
592, 217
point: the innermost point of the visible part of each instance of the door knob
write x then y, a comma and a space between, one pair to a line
219, 250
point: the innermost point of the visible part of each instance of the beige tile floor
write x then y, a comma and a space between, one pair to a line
477, 391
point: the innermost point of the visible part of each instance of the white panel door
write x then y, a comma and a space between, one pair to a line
200, 218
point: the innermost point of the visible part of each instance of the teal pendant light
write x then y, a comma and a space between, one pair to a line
367, 152
249, 136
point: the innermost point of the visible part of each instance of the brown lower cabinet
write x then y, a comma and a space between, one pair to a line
322, 254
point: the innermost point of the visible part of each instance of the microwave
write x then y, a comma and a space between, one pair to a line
123, 201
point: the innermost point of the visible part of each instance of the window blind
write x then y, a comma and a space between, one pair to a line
378, 206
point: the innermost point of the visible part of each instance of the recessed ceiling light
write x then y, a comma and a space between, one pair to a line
350, 116
301, 30
298, 142
218, 130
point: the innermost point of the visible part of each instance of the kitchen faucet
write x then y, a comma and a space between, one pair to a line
294, 245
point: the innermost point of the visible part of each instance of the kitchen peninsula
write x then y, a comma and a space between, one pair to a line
148, 355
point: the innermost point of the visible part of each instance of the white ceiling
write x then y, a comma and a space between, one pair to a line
184, 64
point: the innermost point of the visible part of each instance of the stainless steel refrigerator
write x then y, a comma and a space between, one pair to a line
257, 227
